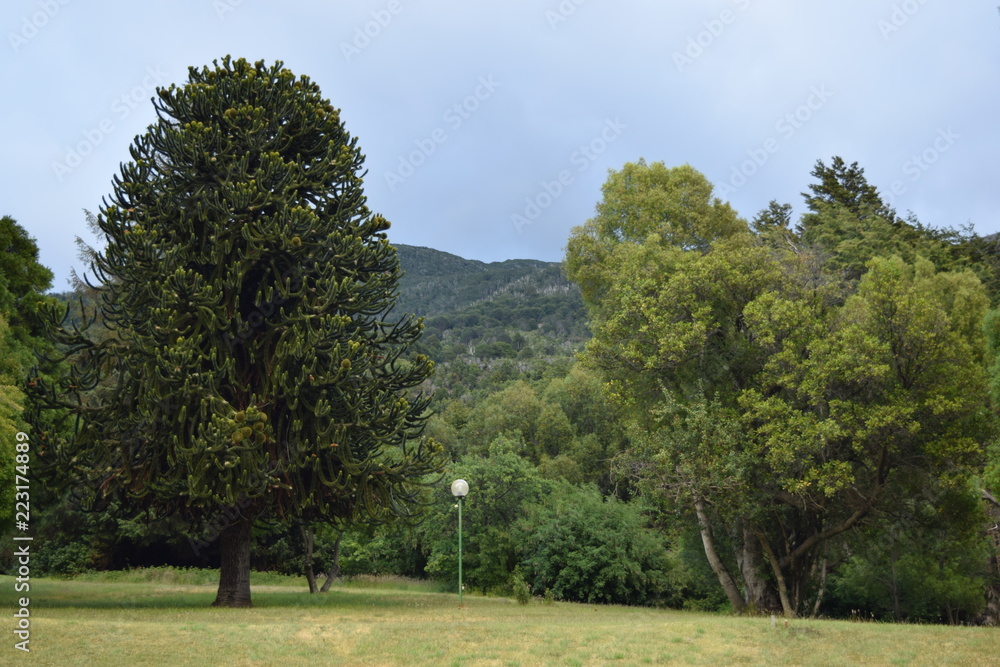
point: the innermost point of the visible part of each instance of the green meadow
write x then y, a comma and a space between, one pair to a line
163, 617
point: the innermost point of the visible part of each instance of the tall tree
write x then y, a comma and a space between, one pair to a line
768, 398
258, 372
862, 406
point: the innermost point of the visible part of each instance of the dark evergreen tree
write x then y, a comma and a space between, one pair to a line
848, 223
773, 225
776, 217
845, 186
258, 373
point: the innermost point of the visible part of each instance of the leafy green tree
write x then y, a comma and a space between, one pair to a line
982, 254
773, 225
990, 487
888, 388
22, 284
639, 203
11, 406
518, 411
562, 467
769, 400
258, 374
396, 548
598, 424
669, 335
691, 462
847, 187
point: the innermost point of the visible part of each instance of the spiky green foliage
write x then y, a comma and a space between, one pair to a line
255, 363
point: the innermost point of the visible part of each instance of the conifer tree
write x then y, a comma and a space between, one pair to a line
258, 373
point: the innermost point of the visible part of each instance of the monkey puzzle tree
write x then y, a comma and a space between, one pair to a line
257, 372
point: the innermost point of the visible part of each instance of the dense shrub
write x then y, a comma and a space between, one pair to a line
587, 548
502, 486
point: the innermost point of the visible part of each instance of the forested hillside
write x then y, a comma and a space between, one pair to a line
489, 322
436, 282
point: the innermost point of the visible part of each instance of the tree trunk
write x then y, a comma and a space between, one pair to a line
234, 570
708, 539
334, 570
779, 576
991, 615
822, 590
308, 542
896, 607
760, 595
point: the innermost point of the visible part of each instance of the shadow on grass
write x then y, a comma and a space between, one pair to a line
106, 595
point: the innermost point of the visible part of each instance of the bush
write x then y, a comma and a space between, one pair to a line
64, 560
502, 487
585, 548
519, 588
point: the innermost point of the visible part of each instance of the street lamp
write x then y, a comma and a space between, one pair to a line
459, 489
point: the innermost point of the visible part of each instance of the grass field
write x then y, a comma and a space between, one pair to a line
163, 617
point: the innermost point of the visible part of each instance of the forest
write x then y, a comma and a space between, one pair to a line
693, 410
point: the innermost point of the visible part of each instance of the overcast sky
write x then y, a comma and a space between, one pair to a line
489, 127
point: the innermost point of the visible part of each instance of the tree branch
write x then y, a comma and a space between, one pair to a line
816, 538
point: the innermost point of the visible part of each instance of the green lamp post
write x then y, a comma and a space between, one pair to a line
459, 489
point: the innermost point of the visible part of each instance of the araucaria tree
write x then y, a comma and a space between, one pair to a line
258, 374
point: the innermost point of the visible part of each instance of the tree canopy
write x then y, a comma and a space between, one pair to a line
772, 392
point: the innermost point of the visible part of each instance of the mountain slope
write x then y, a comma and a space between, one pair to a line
490, 322
437, 282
